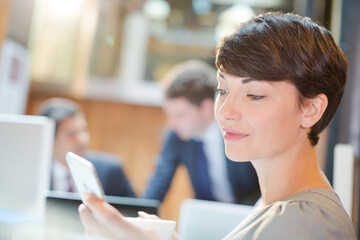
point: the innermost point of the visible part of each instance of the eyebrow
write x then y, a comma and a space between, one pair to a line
245, 80
221, 75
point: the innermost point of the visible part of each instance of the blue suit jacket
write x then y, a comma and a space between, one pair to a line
242, 175
112, 177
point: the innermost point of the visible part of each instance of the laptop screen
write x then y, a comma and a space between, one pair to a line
62, 215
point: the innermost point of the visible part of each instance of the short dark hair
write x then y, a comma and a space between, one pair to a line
59, 109
193, 79
277, 47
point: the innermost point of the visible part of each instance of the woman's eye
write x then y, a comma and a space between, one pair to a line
255, 97
221, 92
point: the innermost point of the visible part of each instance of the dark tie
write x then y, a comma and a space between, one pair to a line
204, 184
70, 183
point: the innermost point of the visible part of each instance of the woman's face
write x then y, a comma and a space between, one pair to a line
258, 119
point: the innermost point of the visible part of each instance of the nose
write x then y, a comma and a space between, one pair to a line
228, 108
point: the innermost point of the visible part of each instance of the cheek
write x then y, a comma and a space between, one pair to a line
216, 114
278, 130
217, 106
61, 144
85, 137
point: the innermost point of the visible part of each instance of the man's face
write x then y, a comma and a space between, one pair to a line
185, 118
72, 135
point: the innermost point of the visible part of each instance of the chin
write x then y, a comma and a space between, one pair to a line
237, 157
233, 158
240, 160
184, 137
80, 152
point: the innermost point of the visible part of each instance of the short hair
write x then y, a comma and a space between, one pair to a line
277, 47
59, 109
194, 80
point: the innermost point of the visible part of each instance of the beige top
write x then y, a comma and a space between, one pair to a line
310, 214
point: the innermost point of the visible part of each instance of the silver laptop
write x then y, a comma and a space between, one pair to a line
25, 156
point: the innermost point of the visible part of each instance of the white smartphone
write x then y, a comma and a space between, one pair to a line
85, 176
87, 180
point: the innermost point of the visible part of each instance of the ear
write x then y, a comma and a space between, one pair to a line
313, 110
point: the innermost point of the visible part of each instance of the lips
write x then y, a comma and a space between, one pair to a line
232, 135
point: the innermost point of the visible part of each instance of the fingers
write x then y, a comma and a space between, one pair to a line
100, 218
91, 226
103, 211
106, 215
147, 216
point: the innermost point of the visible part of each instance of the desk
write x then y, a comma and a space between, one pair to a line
61, 220
19, 226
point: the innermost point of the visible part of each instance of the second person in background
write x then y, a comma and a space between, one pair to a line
195, 140
72, 135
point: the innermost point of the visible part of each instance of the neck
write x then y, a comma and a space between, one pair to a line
298, 166
205, 124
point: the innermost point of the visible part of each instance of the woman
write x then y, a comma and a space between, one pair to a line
281, 78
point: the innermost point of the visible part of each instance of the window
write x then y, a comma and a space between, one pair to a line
79, 43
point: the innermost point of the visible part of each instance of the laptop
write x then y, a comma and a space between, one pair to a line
25, 158
62, 216
201, 219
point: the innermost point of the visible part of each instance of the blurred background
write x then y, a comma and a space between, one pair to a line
111, 55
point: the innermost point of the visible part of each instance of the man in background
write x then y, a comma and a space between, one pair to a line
71, 135
195, 141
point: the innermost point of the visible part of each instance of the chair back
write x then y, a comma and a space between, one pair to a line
346, 180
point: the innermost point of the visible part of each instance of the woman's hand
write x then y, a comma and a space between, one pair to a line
142, 214
100, 219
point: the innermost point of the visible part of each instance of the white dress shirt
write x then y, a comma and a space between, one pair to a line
61, 178
215, 155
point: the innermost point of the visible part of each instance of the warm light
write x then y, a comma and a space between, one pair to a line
229, 19
253, 3
65, 8
157, 9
